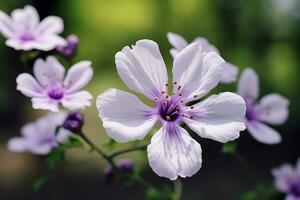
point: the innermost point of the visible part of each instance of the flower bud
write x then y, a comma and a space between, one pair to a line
74, 121
69, 50
126, 165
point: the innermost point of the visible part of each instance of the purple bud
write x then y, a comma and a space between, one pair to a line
69, 50
126, 165
74, 121
109, 174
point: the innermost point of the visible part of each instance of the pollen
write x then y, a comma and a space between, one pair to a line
168, 118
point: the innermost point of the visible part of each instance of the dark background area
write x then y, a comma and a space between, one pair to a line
263, 34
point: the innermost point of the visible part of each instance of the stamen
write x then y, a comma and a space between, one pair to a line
163, 92
155, 99
179, 87
168, 118
192, 107
195, 96
180, 94
166, 84
187, 115
175, 83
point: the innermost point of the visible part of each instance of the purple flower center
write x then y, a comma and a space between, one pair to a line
56, 94
250, 113
26, 37
295, 188
169, 110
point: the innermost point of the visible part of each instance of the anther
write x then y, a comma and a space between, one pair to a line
180, 94
192, 107
195, 96
168, 118
179, 87
175, 83
163, 92
166, 84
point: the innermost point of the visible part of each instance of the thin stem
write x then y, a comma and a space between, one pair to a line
109, 159
127, 151
177, 189
243, 162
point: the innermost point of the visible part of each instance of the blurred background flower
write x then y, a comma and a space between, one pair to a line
263, 34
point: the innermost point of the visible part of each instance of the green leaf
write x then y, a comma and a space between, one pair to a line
229, 147
40, 181
55, 157
152, 194
110, 144
73, 142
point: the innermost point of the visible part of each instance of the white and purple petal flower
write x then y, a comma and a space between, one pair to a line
24, 31
49, 87
287, 180
172, 151
40, 137
272, 109
230, 71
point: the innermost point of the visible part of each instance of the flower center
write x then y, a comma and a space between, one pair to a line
26, 37
169, 110
56, 94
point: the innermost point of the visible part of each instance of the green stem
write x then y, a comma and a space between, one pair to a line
118, 153
109, 159
243, 162
177, 189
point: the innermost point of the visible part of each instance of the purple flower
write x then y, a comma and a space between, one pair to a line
179, 43
24, 31
172, 151
40, 137
74, 122
48, 89
69, 50
272, 109
124, 165
287, 180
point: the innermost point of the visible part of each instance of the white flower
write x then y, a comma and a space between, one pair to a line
179, 43
24, 31
48, 89
172, 151
40, 137
287, 180
272, 109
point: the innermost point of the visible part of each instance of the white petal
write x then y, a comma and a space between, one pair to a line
205, 45
17, 144
29, 86
6, 25
51, 25
77, 100
248, 86
174, 52
62, 135
263, 133
142, 68
26, 17
283, 176
78, 76
230, 73
46, 43
174, 153
273, 109
45, 104
124, 116
177, 41
49, 72
219, 117
197, 72
41, 149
